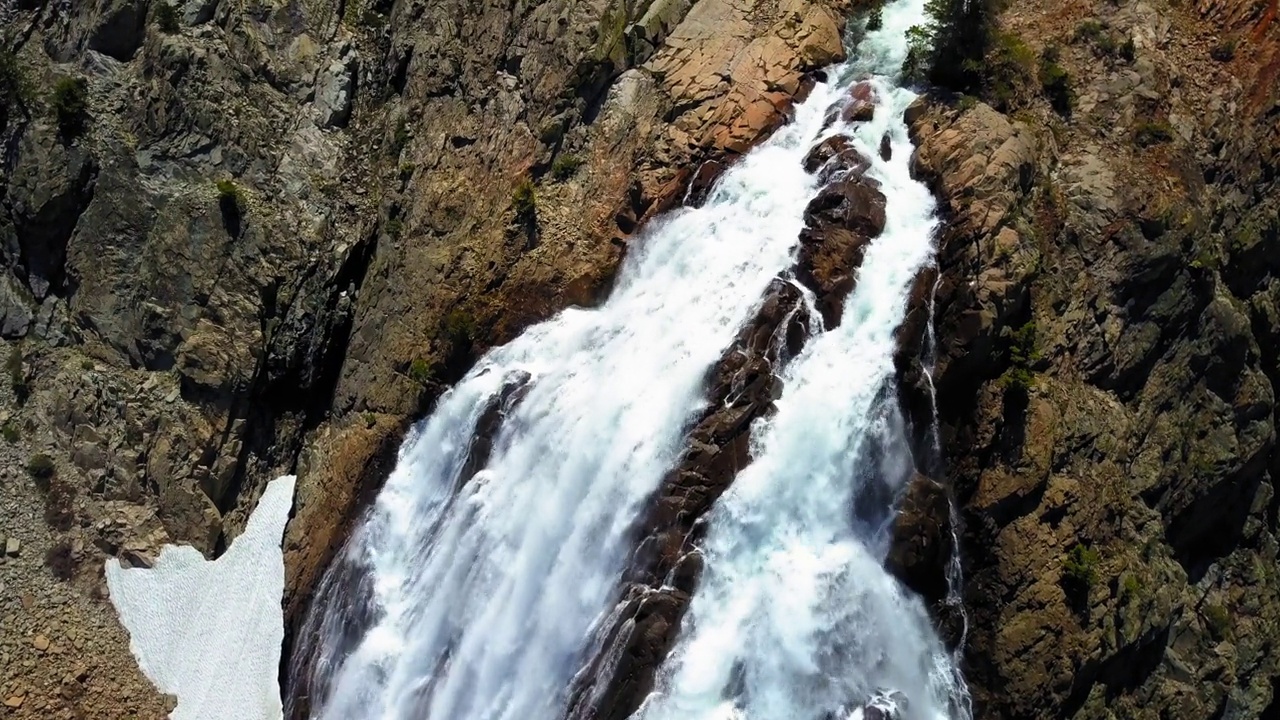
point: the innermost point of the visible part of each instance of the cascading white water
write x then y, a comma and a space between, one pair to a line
795, 617
485, 588
482, 591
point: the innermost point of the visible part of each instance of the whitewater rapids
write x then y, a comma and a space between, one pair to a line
470, 593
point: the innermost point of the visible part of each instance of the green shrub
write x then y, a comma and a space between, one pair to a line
524, 200
1010, 71
1128, 50
10, 431
1219, 621
166, 17
565, 166
1131, 587
16, 90
420, 371
950, 49
400, 137
1056, 81
41, 467
1152, 132
459, 326
1080, 567
231, 196
394, 227
1225, 50
1090, 30
1024, 350
71, 105
17, 376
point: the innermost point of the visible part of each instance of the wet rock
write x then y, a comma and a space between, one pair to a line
662, 570
886, 148
840, 222
921, 543
836, 157
861, 105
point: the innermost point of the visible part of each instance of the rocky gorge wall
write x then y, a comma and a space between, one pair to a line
247, 238
405, 184
1106, 365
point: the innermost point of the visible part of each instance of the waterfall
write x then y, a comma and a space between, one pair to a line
472, 588
795, 616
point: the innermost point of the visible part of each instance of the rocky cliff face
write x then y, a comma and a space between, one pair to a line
245, 238
1106, 365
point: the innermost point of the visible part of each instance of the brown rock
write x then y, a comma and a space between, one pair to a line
40, 642
836, 157
921, 544
861, 104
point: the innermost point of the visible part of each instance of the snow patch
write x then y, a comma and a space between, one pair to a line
210, 632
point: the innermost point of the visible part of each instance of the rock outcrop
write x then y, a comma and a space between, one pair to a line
1104, 374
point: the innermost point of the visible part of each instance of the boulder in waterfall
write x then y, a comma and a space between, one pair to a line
852, 203
840, 223
862, 103
921, 544
836, 157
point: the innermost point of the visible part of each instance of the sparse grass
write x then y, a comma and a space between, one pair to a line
420, 371
70, 103
166, 18
565, 166
1152, 132
524, 200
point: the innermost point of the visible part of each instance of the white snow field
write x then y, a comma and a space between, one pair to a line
210, 632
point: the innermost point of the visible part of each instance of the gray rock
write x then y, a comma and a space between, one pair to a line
335, 86
12, 547
197, 12
15, 308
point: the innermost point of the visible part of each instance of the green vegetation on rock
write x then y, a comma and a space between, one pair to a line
1056, 81
1080, 567
565, 166
70, 103
524, 200
419, 371
10, 431
17, 376
1219, 620
15, 88
166, 17
1152, 132
41, 467
460, 326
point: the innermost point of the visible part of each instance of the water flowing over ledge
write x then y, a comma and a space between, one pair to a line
472, 589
